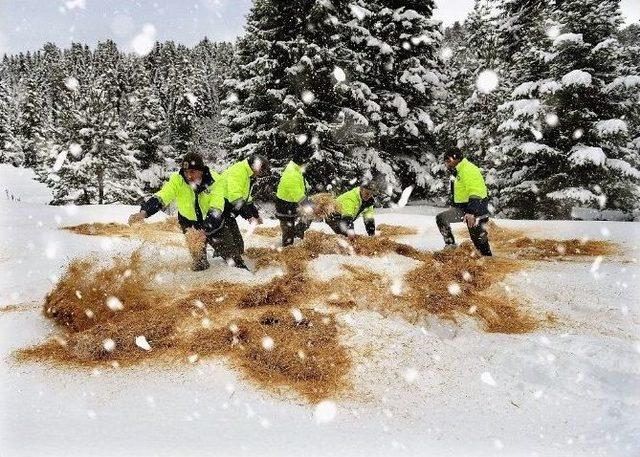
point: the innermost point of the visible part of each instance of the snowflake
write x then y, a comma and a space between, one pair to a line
72, 83
487, 378
114, 304
308, 97
339, 74
325, 411
268, 343
141, 342
552, 119
143, 43
487, 81
108, 344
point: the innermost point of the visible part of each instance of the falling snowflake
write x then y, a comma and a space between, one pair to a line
487, 81
410, 375
302, 138
577, 134
552, 119
454, 288
297, 315
268, 343
114, 304
325, 411
446, 53
487, 378
467, 276
308, 97
72, 83
108, 344
142, 343
143, 42
339, 74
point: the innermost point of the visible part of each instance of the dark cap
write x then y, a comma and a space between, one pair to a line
453, 154
193, 161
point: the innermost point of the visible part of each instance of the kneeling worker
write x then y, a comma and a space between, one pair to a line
357, 201
291, 193
470, 203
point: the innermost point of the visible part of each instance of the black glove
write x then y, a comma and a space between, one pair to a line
213, 223
151, 206
370, 225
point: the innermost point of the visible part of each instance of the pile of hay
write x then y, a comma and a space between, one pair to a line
267, 232
196, 241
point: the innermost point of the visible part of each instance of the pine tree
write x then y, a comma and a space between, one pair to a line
575, 152
32, 120
10, 151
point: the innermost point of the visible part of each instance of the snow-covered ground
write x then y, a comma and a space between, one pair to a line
430, 389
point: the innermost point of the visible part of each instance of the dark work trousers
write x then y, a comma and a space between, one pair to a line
478, 234
291, 229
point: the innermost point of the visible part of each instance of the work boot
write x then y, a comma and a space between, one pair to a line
237, 262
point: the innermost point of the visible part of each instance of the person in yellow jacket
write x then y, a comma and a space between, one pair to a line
192, 189
358, 201
470, 203
235, 191
291, 194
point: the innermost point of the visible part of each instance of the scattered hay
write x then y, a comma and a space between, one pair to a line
324, 205
267, 232
163, 232
544, 249
232, 320
277, 351
9, 309
389, 230
449, 285
86, 295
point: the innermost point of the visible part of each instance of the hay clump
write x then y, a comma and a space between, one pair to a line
267, 232
450, 284
544, 249
389, 230
323, 206
196, 242
278, 352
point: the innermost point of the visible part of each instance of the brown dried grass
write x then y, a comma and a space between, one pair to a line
200, 320
389, 230
306, 356
163, 232
324, 205
267, 232
196, 241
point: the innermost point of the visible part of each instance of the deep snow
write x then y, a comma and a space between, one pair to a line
433, 389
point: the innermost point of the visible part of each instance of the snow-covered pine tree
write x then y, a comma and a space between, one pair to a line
471, 122
10, 152
147, 130
579, 156
401, 70
32, 120
296, 80
90, 159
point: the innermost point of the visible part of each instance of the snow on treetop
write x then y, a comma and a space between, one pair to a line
568, 37
609, 42
536, 148
582, 155
577, 78
524, 89
525, 107
573, 193
611, 127
628, 82
623, 166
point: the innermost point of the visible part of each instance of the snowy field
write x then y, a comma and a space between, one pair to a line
431, 389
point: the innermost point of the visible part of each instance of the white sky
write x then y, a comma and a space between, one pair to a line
28, 24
